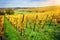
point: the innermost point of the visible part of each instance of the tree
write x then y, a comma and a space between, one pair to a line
2, 11
9, 11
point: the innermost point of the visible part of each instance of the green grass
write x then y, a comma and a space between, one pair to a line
17, 12
10, 32
47, 33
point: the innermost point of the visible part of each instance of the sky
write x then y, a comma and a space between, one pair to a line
28, 3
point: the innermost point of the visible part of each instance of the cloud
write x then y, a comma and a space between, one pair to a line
54, 2
28, 3
24, 3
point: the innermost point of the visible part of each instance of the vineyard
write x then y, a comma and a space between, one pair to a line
1, 26
41, 26
30, 23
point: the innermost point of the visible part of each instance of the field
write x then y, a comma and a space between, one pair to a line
32, 24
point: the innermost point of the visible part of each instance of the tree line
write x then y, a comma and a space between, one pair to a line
7, 11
